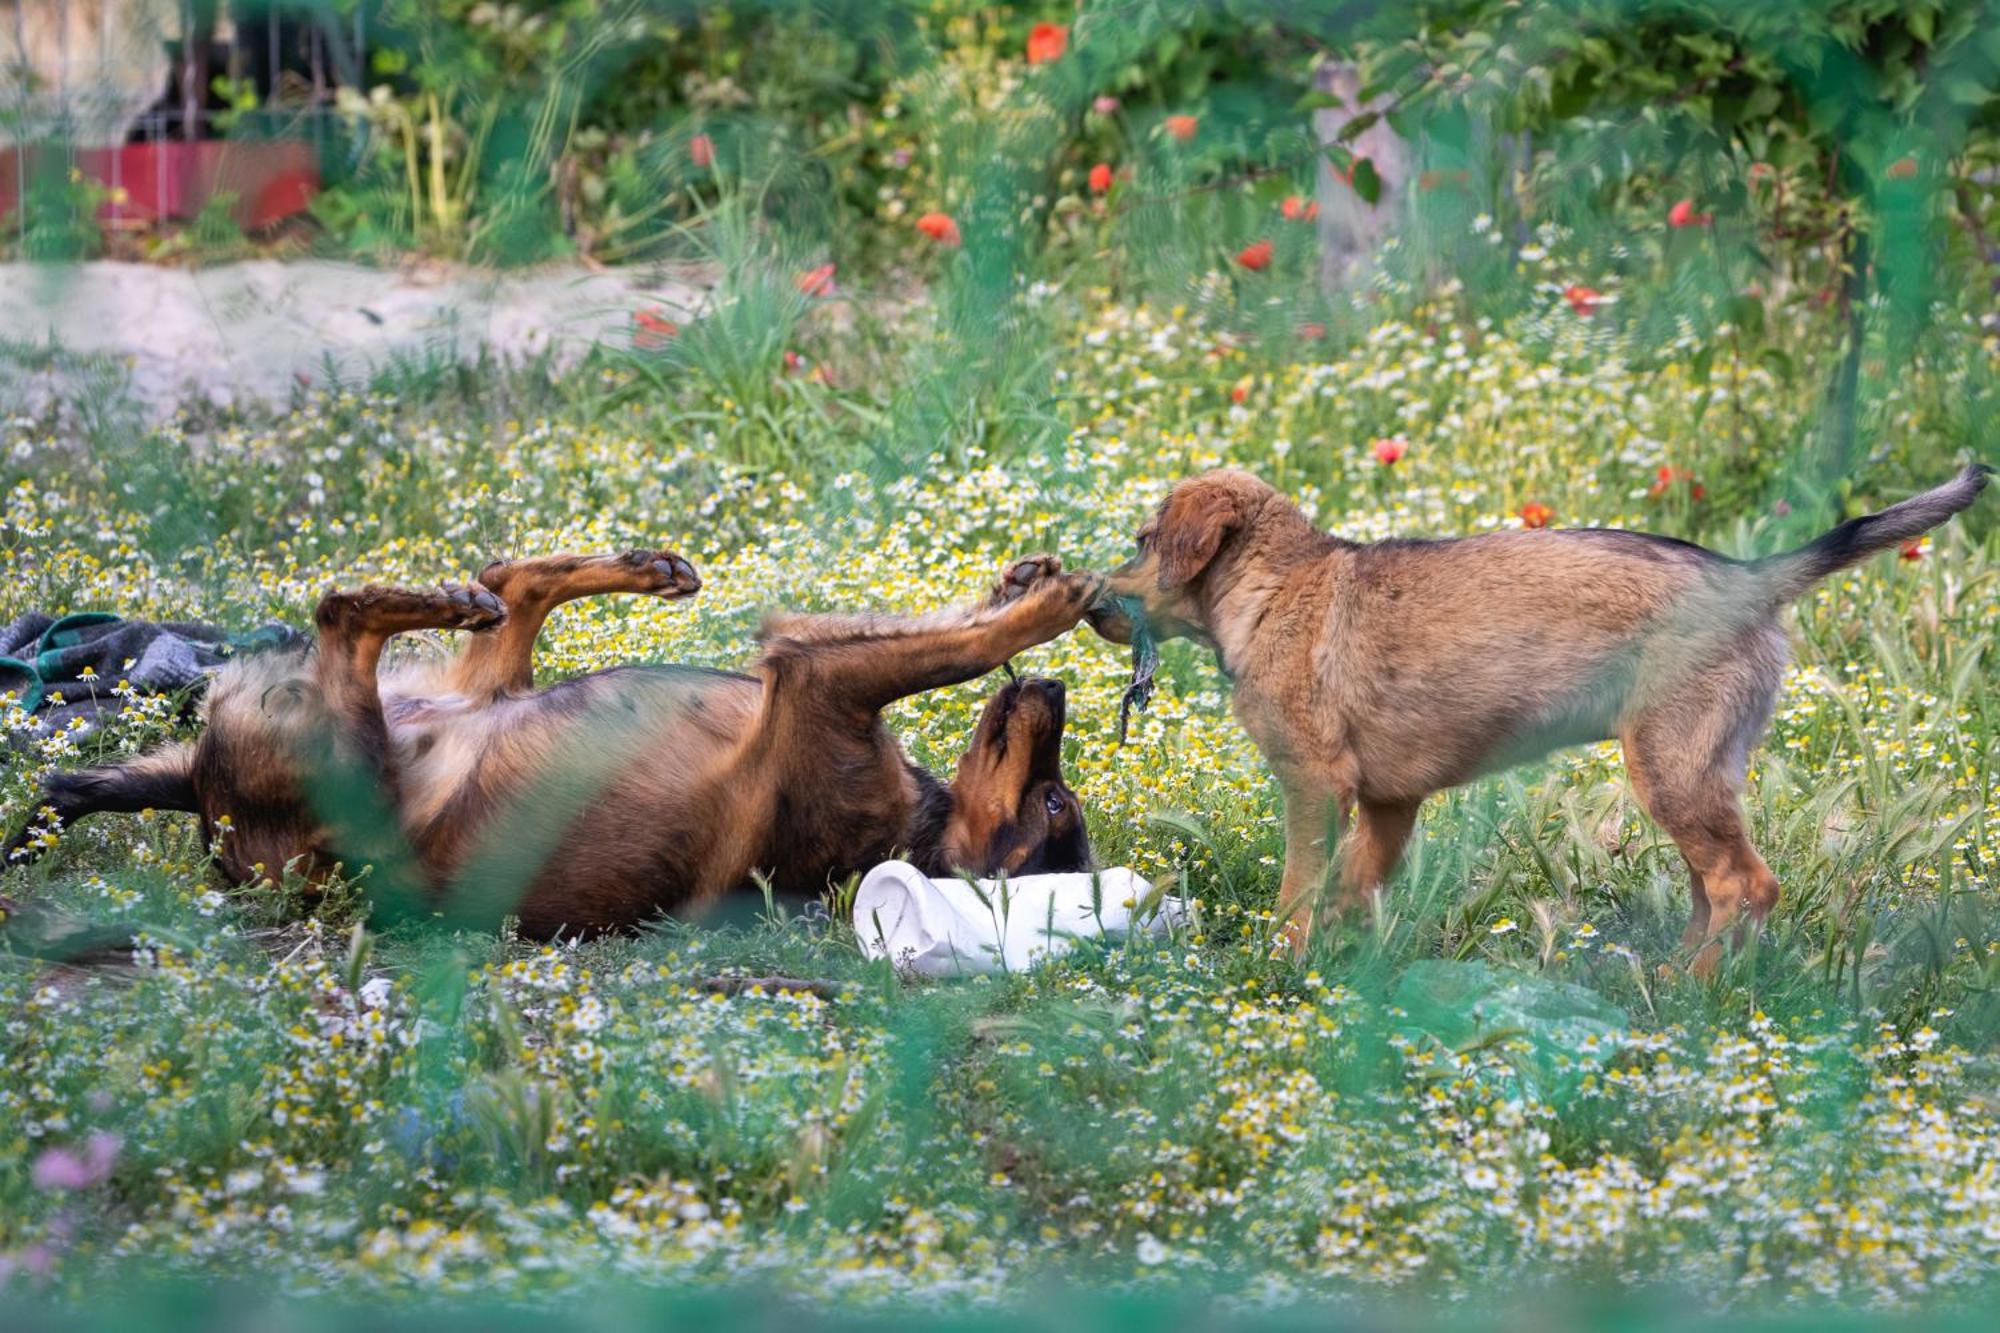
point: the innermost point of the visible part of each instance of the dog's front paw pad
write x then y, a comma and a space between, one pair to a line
472, 606
667, 573
1025, 574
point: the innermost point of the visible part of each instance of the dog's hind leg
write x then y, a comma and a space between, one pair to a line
495, 663
1687, 753
1371, 852
353, 629
161, 779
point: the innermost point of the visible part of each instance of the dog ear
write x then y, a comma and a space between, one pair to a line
1190, 530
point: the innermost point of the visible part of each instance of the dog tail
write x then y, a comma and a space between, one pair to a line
161, 779
1789, 575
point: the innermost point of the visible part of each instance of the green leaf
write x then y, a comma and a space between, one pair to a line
1967, 91
1366, 183
1354, 128
1317, 99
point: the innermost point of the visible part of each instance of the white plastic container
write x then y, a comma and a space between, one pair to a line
950, 927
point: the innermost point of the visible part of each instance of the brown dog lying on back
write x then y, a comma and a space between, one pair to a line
1374, 675
603, 800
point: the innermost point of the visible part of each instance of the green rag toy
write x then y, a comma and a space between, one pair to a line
1145, 663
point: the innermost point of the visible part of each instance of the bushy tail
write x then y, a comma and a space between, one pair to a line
1790, 574
162, 779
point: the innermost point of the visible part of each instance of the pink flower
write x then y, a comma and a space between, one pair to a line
1387, 452
38, 1260
67, 1169
1106, 105
701, 151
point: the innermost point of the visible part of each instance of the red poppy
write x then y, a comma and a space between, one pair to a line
701, 151
1182, 127
1583, 300
1902, 169
793, 361
816, 281
1100, 178
1682, 214
1255, 256
1389, 451
1913, 549
1239, 391
1046, 42
1296, 209
1314, 330
1665, 478
654, 328
1535, 514
939, 227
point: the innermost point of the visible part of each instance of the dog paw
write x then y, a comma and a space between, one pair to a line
470, 606
663, 573
1024, 574
1043, 578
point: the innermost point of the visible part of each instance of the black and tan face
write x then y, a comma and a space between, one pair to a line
1011, 810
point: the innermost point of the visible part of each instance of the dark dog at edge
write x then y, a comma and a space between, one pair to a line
603, 800
1372, 676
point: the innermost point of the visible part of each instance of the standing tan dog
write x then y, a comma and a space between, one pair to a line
1374, 675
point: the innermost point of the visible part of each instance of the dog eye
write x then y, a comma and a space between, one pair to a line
1054, 801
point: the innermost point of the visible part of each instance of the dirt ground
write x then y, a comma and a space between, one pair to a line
252, 331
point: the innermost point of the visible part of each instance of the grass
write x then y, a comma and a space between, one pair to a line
1506, 1085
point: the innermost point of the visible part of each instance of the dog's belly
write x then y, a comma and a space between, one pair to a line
619, 814
1440, 729
591, 804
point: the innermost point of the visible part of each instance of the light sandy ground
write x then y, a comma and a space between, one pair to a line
249, 331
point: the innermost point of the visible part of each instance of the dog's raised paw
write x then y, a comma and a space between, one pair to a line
1024, 574
663, 573
471, 606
